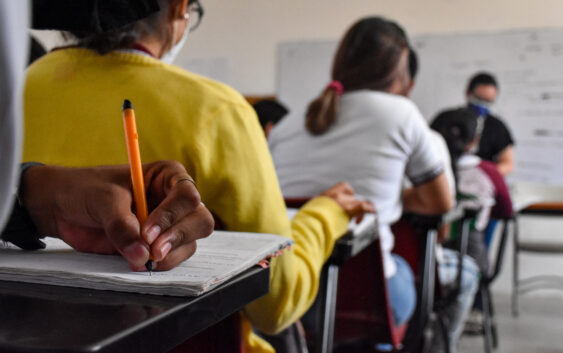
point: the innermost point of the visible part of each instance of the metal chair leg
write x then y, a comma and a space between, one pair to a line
495, 335
329, 310
515, 270
444, 333
493, 320
487, 327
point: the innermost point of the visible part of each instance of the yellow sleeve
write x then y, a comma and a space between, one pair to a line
295, 275
234, 171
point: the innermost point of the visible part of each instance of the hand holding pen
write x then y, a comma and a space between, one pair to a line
91, 210
150, 232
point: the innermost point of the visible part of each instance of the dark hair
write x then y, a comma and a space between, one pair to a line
481, 78
122, 37
269, 110
459, 130
413, 63
36, 50
368, 57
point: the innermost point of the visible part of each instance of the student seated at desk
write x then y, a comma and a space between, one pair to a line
72, 114
479, 182
363, 131
88, 208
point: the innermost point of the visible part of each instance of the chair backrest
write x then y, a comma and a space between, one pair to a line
415, 241
499, 256
363, 307
363, 304
296, 202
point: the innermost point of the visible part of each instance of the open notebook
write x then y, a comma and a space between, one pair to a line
219, 257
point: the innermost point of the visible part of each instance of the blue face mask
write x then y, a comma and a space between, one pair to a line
482, 107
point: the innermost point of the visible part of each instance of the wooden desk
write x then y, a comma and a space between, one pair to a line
41, 318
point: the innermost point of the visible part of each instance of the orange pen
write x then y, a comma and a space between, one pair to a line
134, 155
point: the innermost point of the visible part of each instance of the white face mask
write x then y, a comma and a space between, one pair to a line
171, 54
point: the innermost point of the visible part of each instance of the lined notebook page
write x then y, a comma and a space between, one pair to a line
219, 257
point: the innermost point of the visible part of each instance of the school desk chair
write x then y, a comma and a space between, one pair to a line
319, 321
415, 241
364, 316
460, 243
534, 200
364, 321
460, 222
489, 324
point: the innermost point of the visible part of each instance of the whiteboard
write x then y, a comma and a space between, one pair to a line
527, 63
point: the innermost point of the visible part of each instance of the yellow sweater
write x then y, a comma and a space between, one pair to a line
72, 110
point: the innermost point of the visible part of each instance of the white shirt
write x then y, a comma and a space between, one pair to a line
378, 139
474, 182
13, 54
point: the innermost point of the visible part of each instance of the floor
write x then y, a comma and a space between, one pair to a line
538, 329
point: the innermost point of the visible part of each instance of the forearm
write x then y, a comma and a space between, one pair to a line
505, 167
432, 197
505, 161
414, 202
296, 274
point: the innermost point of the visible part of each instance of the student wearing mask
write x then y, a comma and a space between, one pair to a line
72, 114
363, 131
89, 208
496, 143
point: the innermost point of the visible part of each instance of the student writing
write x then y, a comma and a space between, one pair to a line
203, 124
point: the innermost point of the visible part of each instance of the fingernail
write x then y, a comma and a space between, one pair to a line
164, 249
153, 233
136, 252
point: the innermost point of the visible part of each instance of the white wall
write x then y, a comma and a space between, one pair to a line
237, 39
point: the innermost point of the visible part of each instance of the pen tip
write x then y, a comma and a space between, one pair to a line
149, 266
127, 104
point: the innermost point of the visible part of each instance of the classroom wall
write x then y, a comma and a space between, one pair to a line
237, 39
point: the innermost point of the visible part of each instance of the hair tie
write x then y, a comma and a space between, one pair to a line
337, 86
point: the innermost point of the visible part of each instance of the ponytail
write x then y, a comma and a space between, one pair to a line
321, 114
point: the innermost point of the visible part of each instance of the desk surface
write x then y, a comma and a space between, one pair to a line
41, 318
352, 244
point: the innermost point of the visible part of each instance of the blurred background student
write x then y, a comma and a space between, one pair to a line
363, 131
496, 143
479, 182
125, 51
270, 112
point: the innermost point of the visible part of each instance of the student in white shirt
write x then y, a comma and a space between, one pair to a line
362, 131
